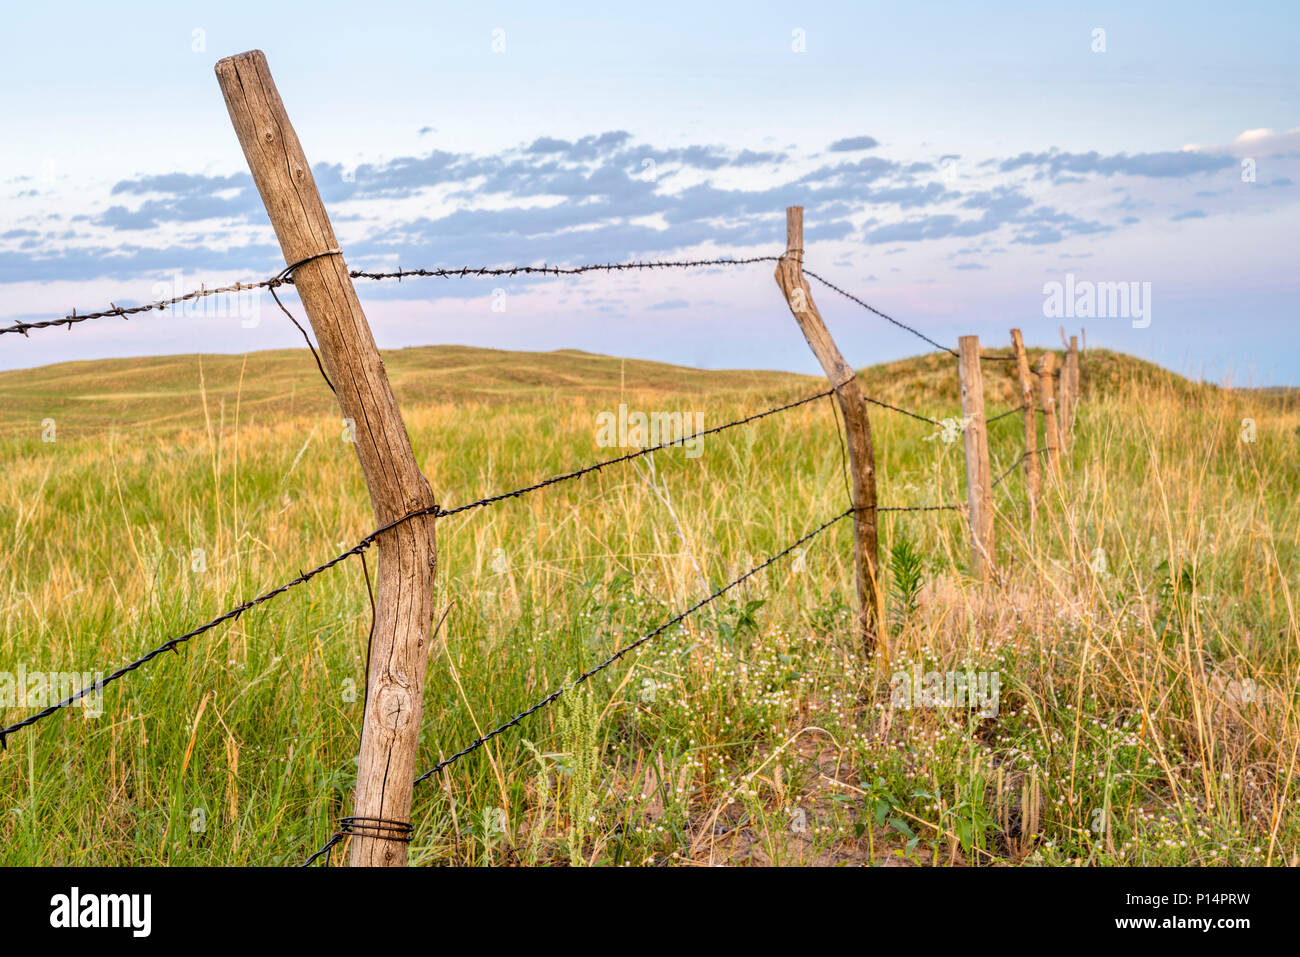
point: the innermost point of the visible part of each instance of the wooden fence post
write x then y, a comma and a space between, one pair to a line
1072, 366
1063, 409
404, 605
1046, 387
1033, 474
979, 490
857, 427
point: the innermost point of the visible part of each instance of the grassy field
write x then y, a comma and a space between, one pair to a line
1144, 633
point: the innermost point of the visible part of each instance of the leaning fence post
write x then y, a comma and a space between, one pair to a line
979, 489
1032, 473
857, 427
404, 604
1046, 388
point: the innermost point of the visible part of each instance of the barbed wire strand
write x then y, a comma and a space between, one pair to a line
870, 308
844, 452
314, 354
1003, 415
172, 643
285, 277
460, 272
1015, 465
922, 508
894, 408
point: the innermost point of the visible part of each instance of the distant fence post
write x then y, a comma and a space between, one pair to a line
404, 605
1033, 474
1064, 411
857, 427
1072, 367
1046, 387
979, 490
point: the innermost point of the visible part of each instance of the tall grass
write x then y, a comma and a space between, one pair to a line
1143, 629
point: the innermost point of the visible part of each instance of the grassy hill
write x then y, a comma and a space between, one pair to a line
173, 393
170, 393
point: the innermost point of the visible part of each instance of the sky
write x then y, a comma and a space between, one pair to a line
1132, 171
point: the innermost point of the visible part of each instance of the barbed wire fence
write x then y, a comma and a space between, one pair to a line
403, 831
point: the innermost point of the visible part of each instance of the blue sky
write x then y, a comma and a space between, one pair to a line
953, 159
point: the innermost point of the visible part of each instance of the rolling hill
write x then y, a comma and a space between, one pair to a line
173, 393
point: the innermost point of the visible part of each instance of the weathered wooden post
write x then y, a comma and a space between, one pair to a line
857, 427
1033, 474
979, 489
1046, 387
404, 604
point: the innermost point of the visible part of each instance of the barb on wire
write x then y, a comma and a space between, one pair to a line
870, 308
435, 510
